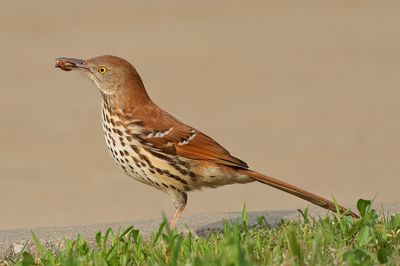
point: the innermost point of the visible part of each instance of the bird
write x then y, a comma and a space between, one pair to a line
155, 148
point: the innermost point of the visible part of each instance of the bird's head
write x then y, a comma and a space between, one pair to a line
111, 74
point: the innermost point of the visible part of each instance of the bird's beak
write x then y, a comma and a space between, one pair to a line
68, 64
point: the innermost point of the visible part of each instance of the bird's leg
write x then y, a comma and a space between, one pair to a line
179, 199
175, 217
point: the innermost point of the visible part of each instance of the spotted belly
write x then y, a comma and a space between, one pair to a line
158, 170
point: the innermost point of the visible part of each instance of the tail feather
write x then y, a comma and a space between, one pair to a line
308, 196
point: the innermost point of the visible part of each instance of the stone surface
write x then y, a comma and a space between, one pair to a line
13, 241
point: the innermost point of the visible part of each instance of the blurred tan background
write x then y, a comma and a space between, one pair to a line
304, 91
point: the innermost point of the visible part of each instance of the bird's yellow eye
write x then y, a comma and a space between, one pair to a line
102, 69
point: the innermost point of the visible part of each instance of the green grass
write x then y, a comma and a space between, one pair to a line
334, 239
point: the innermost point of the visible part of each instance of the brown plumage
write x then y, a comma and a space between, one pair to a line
155, 148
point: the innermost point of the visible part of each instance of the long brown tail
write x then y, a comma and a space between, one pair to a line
308, 196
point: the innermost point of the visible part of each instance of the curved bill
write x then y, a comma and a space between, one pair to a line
68, 64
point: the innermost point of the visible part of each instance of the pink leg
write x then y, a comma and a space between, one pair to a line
175, 217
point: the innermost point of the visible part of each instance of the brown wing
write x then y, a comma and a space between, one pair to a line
173, 137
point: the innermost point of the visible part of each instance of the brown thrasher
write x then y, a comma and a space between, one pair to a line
157, 149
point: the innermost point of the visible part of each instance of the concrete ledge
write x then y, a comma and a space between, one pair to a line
12, 241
